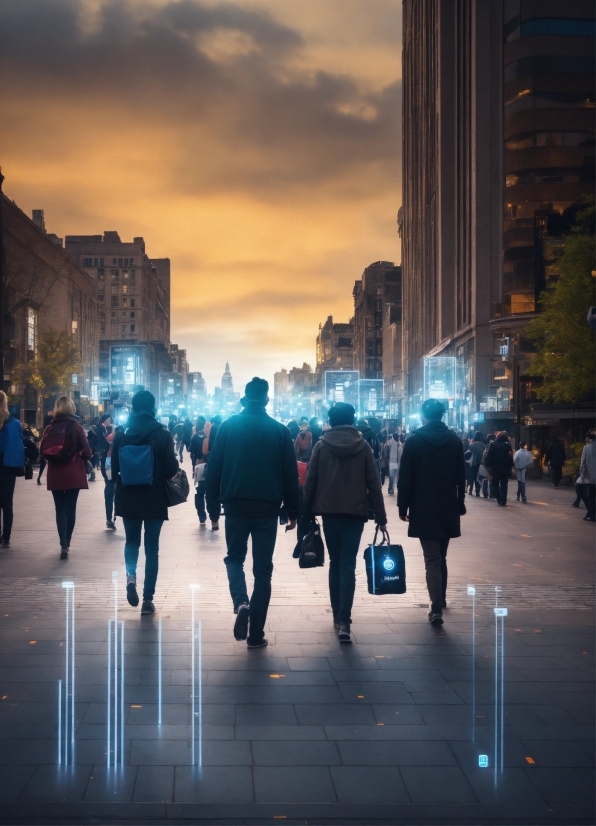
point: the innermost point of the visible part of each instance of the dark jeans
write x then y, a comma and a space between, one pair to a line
579, 495
264, 534
342, 536
500, 482
521, 490
7, 482
132, 529
590, 499
435, 561
66, 514
472, 478
42, 467
557, 472
200, 502
108, 495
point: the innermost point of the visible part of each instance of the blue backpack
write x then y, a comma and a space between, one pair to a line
136, 464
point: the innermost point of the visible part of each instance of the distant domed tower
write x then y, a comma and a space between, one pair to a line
227, 383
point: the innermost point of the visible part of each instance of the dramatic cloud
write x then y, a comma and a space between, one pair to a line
255, 144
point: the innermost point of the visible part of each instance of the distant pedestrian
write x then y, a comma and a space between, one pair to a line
143, 505
294, 429
108, 492
314, 425
587, 470
555, 456
198, 475
303, 442
488, 488
431, 496
580, 493
196, 442
394, 449
66, 450
499, 461
342, 483
12, 460
522, 460
473, 456
252, 471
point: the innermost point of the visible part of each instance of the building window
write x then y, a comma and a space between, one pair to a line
565, 26
31, 329
124, 289
123, 313
114, 261
120, 262
125, 275
114, 275
125, 302
132, 328
114, 301
102, 328
114, 316
133, 274
101, 297
101, 274
74, 326
87, 262
132, 315
123, 329
132, 302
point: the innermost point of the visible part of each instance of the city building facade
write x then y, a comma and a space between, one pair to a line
379, 287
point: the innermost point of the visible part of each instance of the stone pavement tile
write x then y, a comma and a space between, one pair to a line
368, 784
551, 713
159, 753
35, 713
240, 663
558, 675
293, 784
111, 784
273, 679
399, 715
281, 733
341, 714
574, 754
405, 732
226, 694
27, 752
308, 664
513, 786
434, 697
213, 784
266, 715
64, 783
13, 780
168, 732
579, 706
296, 753
154, 784
340, 663
294, 694
27, 731
587, 772
467, 751
216, 715
426, 784
373, 692
396, 753
561, 785
220, 677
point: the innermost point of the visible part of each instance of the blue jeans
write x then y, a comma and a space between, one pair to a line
108, 495
132, 529
200, 502
342, 535
392, 479
264, 534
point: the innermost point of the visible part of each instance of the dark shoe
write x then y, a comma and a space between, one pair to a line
38, 481
131, 591
214, 526
92, 476
202, 524
477, 494
63, 553
443, 604
111, 525
263, 644
575, 504
344, 632
588, 518
241, 624
525, 501
147, 607
6, 543
435, 618
485, 495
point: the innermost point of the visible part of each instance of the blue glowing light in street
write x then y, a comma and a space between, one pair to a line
196, 675
483, 760
388, 564
66, 721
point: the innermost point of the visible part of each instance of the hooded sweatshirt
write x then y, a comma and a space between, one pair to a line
342, 477
142, 502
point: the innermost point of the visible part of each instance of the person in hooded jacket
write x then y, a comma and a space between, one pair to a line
555, 456
252, 485
303, 442
473, 456
66, 479
522, 460
12, 458
431, 496
315, 428
499, 461
341, 484
140, 505
294, 428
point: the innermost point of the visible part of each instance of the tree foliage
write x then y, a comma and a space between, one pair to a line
51, 370
565, 357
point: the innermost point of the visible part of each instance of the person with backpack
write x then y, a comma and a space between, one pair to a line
431, 496
522, 460
196, 442
252, 485
143, 457
341, 485
12, 462
499, 461
65, 448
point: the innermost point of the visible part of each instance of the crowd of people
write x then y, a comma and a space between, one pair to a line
293, 474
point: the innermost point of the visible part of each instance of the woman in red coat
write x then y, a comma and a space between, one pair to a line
67, 474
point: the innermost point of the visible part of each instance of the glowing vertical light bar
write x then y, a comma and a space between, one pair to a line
72, 675
193, 674
472, 593
59, 722
496, 681
69, 663
109, 687
115, 583
121, 693
200, 694
159, 691
66, 685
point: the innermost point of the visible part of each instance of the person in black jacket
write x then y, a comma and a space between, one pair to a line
555, 456
196, 442
252, 484
499, 461
430, 496
138, 505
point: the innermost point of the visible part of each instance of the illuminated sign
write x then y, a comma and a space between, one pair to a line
342, 386
439, 377
372, 396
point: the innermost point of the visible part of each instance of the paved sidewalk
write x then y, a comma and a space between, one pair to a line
305, 730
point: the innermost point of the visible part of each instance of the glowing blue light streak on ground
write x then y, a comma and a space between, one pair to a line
159, 691
194, 672
122, 693
500, 613
109, 687
472, 593
115, 721
67, 720
496, 680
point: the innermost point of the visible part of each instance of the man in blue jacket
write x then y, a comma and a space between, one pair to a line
251, 471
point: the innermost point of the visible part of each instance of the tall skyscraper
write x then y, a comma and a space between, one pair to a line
227, 383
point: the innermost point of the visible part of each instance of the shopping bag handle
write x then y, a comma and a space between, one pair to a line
385, 539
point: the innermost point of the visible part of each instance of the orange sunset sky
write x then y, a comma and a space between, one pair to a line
256, 144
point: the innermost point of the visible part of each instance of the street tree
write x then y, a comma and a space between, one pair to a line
50, 371
565, 357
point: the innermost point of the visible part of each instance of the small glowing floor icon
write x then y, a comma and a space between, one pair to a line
389, 564
483, 761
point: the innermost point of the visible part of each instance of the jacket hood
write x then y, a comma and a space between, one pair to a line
253, 406
140, 427
344, 440
436, 434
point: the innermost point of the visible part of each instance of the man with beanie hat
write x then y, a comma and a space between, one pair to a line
252, 487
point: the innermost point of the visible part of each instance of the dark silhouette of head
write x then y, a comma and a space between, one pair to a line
341, 413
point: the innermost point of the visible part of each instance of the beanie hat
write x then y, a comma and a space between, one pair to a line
143, 402
257, 390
